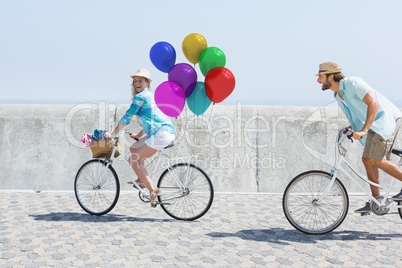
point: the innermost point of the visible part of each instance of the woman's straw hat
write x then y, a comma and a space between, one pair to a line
143, 73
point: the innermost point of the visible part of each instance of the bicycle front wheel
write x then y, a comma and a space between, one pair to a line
186, 192
97, 187
312, 205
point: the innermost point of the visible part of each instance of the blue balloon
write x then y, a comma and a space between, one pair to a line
163, 56
198, 102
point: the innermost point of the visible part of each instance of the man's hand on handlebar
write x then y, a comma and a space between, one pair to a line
358, 135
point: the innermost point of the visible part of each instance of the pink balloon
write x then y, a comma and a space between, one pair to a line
185, 75
170, 98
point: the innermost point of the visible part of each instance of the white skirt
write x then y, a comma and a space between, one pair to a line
160, 140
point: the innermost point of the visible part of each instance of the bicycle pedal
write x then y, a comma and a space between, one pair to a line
365, 214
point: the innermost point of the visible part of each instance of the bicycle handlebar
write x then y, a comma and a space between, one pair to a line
117, 137
343, 134
130, 133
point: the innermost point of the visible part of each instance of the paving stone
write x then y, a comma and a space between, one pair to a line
49, 229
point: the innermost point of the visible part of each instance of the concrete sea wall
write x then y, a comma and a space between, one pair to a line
242, 148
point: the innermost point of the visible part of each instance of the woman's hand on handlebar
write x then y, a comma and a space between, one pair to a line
107, 135
134, 136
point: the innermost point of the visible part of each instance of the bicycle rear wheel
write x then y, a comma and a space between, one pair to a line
97, 187
310, 208
186, 192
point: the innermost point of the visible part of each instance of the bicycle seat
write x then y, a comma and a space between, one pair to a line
169, 145
398, 152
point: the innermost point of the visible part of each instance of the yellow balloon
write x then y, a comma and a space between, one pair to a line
192, 46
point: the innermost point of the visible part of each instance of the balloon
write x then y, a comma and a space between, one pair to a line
192, 46
210, 58
163, 56
198, 102
184, 75
170, 98
219, 84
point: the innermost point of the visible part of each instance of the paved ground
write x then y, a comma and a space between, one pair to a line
243, 230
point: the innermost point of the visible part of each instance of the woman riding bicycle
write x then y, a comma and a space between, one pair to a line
157, 127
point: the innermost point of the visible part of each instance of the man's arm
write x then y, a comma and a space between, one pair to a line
372, 109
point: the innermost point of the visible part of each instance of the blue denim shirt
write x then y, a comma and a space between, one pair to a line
353, 90
149, 115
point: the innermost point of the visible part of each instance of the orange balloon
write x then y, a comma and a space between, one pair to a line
192, 46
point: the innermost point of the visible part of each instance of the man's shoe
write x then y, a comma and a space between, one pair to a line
364, 209
367, 207
397, 197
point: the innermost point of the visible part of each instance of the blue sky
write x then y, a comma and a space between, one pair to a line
85, 51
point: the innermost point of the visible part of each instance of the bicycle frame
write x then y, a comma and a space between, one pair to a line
339, 167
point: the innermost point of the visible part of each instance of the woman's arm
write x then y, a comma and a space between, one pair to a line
116, 131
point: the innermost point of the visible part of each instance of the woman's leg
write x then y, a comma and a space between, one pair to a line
139, 152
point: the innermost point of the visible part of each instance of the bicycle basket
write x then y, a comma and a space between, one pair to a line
103, 149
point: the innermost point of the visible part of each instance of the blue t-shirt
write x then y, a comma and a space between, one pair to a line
353, 90
149, 115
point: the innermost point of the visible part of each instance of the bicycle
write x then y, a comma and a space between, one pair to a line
187, 192
316, 201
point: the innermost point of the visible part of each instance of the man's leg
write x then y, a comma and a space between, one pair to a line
389, 168
376, 154
372, 174
370, 154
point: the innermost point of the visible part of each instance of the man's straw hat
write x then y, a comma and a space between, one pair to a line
329, 68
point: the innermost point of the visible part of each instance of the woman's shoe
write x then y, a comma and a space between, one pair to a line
154, 197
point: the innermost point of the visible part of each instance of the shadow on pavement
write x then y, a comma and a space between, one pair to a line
283, 236
71, 216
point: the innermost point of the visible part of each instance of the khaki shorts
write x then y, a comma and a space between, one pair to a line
378, 148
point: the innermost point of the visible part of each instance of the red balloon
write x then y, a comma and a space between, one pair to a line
219, 84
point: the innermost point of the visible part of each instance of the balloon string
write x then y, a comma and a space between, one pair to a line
194, 128
185, 112
210, 114
186, 126
195, 135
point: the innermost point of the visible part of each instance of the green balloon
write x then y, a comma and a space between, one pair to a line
210, 58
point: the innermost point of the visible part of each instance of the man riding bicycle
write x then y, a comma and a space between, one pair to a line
375, 122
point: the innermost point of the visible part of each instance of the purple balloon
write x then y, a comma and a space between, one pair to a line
185, 75
170, 98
